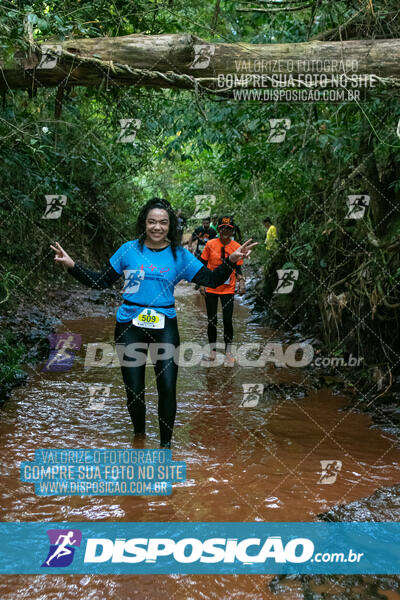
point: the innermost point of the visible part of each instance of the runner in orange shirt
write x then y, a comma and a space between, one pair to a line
212, 256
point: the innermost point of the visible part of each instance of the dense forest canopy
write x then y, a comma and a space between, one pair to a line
188, 143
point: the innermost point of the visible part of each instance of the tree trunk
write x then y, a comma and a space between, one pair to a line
172, 61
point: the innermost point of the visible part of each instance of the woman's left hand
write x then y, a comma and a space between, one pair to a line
243, 251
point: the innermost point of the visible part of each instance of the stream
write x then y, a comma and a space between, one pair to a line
243, 464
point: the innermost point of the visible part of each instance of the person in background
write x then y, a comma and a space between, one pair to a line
237, 235
214, 253
271, 236
214, 223
200, 237
181, 224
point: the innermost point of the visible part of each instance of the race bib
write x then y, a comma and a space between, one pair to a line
149, 319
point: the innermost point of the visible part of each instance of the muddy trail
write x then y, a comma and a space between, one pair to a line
243, 464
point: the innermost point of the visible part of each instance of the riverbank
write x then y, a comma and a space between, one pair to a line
24, 330
369, 388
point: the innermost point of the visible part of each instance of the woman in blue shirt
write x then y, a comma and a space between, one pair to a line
152, 265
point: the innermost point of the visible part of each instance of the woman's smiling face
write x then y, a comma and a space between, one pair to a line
157, 225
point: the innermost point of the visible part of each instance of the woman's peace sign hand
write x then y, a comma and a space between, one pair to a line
62, 257
243, 251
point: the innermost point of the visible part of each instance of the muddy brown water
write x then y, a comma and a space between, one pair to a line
243, 464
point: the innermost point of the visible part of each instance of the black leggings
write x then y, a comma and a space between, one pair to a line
227, 312
134, 376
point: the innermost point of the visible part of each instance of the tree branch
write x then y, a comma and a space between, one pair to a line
271, 10
184, 61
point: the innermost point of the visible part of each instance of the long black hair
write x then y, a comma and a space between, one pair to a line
173, 223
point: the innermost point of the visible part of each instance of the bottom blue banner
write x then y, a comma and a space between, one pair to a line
208, 548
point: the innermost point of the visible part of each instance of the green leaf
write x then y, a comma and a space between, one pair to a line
8, 55
42, 24
32, 18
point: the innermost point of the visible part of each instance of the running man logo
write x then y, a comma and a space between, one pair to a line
54, 206
202, 56
95, 393
61, 344
203, 206
62, 550
279, 127
356, 206
129, 128
287, 278
252, 393
133, 277
330, 470
49, 57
